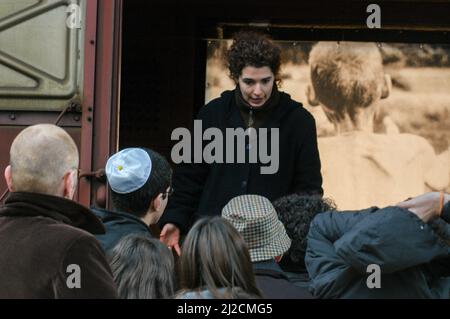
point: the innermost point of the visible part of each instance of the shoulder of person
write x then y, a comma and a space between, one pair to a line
74, 246
65, 235
217, 105
80, 241
416, 142
195, 294
297, 111
340, 220
100, 212
84, 271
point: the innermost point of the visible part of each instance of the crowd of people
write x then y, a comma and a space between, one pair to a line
226, 230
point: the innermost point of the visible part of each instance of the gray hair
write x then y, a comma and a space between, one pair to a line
40, 156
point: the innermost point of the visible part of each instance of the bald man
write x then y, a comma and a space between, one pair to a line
46, 240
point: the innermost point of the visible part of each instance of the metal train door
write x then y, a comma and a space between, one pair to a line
59, 64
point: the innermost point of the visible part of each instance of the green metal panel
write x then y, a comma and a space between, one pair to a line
41, 53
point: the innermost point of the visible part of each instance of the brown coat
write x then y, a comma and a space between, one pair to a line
40, 236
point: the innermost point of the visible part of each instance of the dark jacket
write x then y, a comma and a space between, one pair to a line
274, 284
204, 189
40, 237
414, 260
295, 270
118, 225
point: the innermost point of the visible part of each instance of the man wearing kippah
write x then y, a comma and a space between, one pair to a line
139, 179
257, 221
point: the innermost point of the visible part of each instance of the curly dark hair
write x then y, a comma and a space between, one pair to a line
255, 49
296, 212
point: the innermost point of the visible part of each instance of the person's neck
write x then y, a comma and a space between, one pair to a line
270, 103
361, 122
149, 219
347, 126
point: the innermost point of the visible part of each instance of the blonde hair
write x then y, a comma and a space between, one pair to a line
346, 76
40, 156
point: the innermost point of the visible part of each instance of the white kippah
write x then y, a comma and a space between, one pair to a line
128, 170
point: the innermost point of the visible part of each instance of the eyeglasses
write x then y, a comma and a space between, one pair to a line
168, 193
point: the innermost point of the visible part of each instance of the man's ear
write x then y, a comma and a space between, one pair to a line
8, 178
311, 96
70, 184
156, 203
387, 86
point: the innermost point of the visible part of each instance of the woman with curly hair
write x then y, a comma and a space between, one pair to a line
202, 189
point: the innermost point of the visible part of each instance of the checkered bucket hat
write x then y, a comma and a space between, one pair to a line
256, 219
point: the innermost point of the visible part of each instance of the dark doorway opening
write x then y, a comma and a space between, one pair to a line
163, 72
164, 49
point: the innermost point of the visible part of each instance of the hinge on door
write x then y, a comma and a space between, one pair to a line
99, 175
74, 106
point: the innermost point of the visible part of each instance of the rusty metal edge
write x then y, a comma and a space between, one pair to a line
84, 190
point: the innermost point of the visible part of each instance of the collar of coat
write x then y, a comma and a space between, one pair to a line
269, 268
119, 218
234, 118
256, 116
271, 103
21, 204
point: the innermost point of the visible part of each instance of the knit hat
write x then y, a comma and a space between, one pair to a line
256, 219
128, 170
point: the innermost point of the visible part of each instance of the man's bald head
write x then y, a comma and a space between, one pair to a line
40, 157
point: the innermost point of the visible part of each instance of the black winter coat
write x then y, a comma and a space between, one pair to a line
414, 260
204, 189
117, 226
46, 242
274, 284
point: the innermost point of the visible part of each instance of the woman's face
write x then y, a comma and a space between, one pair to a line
256, 85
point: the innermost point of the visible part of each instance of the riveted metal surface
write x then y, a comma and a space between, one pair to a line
84, 186
41, 58
107, 94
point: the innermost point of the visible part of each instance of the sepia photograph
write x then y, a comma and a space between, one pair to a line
270, 150
382, 112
